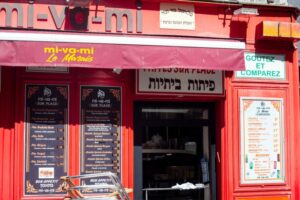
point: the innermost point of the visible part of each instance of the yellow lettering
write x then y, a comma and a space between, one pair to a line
52, 58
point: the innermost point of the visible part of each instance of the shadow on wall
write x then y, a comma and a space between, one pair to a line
238, 29
7, 98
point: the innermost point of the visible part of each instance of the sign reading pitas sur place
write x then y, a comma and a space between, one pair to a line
179, 81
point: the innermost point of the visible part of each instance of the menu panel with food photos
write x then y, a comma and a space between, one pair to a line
100, 131
46, 133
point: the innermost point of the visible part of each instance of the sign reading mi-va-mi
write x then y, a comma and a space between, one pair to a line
263, 66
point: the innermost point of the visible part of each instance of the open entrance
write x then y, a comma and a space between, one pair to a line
174, 151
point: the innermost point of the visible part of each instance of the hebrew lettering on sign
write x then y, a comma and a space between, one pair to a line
185, 81
165, 83
201, 84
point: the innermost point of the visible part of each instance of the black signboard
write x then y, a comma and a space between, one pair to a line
100, 131
46, 119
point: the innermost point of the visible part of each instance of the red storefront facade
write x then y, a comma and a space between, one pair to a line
153, 91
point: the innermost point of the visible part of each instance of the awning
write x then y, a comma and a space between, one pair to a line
118, 51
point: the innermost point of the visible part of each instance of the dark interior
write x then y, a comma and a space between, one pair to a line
170, 141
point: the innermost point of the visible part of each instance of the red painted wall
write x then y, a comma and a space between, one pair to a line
212, 20
288, 91
7, 134
74, 79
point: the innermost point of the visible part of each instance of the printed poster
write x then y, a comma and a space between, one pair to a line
262, 140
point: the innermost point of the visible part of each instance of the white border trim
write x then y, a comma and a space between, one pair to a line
125, 40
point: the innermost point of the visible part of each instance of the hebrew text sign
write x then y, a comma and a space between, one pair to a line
175, 80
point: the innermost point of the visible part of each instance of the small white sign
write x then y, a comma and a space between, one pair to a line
262, 140
179, 81
254, 1
48, 69
46, 172
263, 66
177, 16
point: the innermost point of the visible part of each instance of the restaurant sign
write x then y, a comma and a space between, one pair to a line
262, 140
44, 16
69, 54
263, 66
179, 81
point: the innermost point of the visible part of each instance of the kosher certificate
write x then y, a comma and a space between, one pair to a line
262, 140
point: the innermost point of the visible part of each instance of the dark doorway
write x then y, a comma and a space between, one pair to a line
174, 151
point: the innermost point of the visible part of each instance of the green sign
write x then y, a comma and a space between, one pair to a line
263, 66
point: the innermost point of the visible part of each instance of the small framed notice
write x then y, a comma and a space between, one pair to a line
177, 16
262, 140
48, 69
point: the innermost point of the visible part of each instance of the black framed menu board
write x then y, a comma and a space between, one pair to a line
100, 131
46, 131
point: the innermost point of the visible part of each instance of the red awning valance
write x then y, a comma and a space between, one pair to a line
126, 52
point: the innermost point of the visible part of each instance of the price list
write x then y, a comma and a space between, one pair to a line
262, 141
45, 138
100, 131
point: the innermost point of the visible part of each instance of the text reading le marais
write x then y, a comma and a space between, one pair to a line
67, 54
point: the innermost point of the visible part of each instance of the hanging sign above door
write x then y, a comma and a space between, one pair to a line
179, 81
